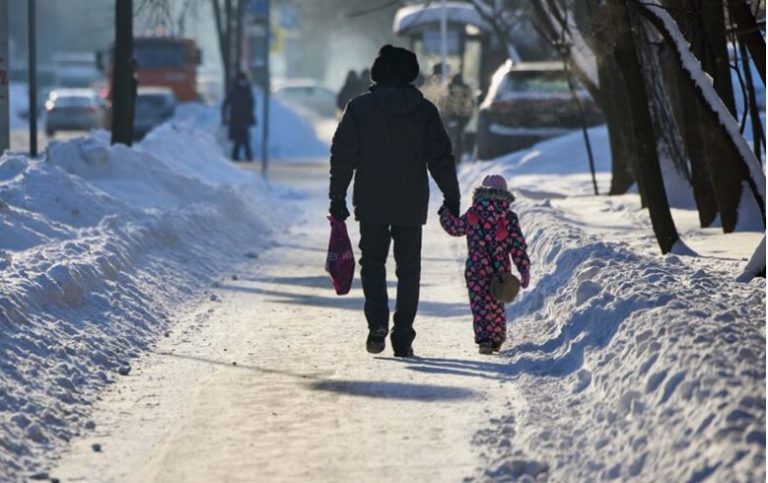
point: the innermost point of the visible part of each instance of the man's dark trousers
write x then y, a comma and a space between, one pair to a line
374, 245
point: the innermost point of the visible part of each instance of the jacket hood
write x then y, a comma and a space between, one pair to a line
490, 210
486, 193
397, 98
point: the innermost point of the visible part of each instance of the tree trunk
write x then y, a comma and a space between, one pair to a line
649, 172
749, 33
238, 63
221, 32
621, 138
122, 74
229, 37
669, 143
687, 112
715, 58
613, 103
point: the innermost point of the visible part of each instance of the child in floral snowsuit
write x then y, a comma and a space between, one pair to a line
490, 226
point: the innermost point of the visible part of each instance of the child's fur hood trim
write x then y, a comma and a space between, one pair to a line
485, 193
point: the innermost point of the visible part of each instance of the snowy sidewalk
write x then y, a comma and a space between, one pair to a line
621, 364
304, 400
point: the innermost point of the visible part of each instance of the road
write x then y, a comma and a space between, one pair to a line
267, 378
20, 139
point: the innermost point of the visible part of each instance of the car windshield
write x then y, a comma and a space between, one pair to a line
73, 101
159, 55
537, 82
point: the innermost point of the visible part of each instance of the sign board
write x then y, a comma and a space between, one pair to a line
432, 42
289, 16
257, 8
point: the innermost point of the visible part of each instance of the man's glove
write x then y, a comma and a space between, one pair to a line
338, 209
453, 206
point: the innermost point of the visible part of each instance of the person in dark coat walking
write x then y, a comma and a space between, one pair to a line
363, 82
389, 140
237, 112
348, 90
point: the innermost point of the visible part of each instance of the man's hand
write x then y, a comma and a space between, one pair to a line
453, 206
338, 209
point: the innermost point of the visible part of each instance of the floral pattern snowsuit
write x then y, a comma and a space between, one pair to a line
489, 225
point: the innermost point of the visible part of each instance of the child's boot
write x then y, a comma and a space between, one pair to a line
485, 347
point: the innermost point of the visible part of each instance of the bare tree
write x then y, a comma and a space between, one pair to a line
731, 165
648, 171
749, 33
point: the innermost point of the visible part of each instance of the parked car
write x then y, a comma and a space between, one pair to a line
528, 102
308, 94
154, 106
73, 109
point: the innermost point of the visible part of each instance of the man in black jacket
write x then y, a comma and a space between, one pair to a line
388, 139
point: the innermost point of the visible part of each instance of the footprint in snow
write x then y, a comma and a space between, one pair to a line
586, 291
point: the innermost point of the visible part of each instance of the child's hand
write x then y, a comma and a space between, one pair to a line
525, 279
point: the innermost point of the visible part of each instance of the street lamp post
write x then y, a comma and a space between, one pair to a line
265, 121
32, 40
5, 135
444, 41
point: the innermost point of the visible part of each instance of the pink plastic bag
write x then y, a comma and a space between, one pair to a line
340, 263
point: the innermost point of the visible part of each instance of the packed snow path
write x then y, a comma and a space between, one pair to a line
621, 365
271, 382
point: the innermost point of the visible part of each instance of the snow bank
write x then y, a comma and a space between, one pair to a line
755, 266
291, 136
662, 358
99, 245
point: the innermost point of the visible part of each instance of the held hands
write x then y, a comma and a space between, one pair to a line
338, 209
453, 206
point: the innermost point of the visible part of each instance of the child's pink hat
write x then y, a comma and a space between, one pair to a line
495, 181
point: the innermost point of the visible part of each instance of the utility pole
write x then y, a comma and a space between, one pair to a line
32, 40
121, 93
444, 41
265, 122
228, 34
238, 63
5, 134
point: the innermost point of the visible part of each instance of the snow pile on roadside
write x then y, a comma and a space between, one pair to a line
99, 245
291, 136
626, 364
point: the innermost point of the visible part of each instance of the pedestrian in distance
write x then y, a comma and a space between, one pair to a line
237, 111
348, 90
493, 235
456, 107
390, 140
363, 82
